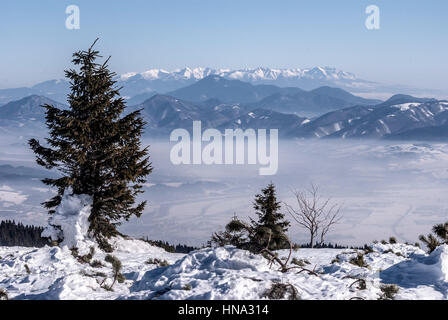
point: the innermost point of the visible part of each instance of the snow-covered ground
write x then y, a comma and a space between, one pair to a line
149, 272
221, 273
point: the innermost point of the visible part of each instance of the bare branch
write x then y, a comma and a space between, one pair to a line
314, 213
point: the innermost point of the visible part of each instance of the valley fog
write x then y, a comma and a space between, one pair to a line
385, 189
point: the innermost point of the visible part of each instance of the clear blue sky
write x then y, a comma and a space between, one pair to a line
410, 48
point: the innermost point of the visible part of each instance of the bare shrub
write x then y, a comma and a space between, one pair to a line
159, 262
388, 291
392, 240
117, 275
96, 264
359, 261
187, 287
3, 294
279, 291
300, 262
314, 214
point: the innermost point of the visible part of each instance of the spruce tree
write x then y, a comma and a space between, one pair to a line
271, 226
96, 147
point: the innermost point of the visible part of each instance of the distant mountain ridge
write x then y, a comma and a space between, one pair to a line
25, 115
163, 81
225, 90
138, 87
286, 100
246, 74
312, 103
401, 117
395, 118
53, 89
160, 81
27, 108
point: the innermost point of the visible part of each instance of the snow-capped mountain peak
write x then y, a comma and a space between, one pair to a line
154, 74
245, 74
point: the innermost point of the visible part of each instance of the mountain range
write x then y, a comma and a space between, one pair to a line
402, 117
138, 87
163, 81
281, 99
396, 119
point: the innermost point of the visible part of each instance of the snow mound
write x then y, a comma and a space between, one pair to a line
421, 270
54, 273
70, 222
221, 273
129, 245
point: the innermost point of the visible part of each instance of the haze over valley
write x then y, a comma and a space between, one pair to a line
384, 160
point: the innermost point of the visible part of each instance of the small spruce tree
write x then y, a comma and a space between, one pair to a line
269, 231
271, 227
236, 233
95, 147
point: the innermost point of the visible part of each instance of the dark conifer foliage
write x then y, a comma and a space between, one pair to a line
16, 234
179, 248
95, 147
331, 246
269, 232
271, 224
440, 237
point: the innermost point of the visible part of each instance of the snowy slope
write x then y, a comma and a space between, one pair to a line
56, 274
210, 273
222, 273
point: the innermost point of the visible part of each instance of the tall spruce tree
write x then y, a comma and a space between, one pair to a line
271, 225
95, 147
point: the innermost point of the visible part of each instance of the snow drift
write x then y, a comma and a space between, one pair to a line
70, 222
421, 271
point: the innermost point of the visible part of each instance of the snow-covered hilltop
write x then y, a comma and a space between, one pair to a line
78, 269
